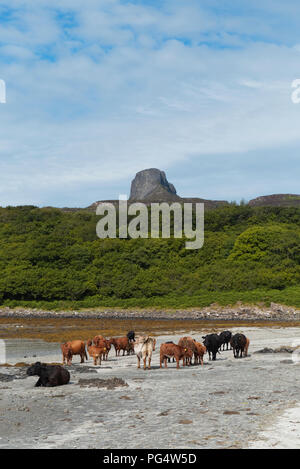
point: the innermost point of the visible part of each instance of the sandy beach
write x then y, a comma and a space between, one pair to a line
231, 403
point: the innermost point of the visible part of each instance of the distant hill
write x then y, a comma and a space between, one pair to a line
152, 186
276, 200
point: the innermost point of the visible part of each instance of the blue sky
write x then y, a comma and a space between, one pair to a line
100, 89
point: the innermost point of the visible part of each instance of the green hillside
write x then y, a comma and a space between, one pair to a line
53, 259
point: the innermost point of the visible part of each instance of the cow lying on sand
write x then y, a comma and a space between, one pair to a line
169, 350
74, 347
143, 347
49, 375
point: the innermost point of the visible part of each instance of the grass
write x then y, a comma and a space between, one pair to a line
289, 297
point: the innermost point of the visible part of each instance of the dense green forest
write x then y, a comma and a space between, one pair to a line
50, 258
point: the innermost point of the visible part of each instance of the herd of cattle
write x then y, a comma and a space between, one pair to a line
98, 349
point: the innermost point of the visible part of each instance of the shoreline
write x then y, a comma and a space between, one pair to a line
227, 393
239, 313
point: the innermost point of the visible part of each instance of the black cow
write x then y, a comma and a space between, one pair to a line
238, 344
224, 339
131, 336
212, 344
49, 375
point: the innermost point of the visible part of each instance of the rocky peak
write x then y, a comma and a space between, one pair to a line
149, 183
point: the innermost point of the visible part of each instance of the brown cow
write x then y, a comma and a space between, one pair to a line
130, 348
95, 352
100, 341
107, 344
97, 338
120, 343
189, 343
74, 347
246, 347
200, 351
188, 356
169, 350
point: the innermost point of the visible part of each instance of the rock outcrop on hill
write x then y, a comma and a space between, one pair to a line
276, 200
152, 184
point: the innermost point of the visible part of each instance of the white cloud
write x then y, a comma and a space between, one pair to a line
132, 86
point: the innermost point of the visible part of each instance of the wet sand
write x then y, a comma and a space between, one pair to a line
230, 403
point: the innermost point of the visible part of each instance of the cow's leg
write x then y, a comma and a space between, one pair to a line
177, 360
144, 360
38, 383
139, 362
149, 362
165, 362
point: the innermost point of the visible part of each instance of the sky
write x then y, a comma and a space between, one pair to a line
97, 90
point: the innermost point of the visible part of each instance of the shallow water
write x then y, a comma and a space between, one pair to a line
18, 350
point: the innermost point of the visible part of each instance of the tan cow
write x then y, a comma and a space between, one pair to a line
143, 348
